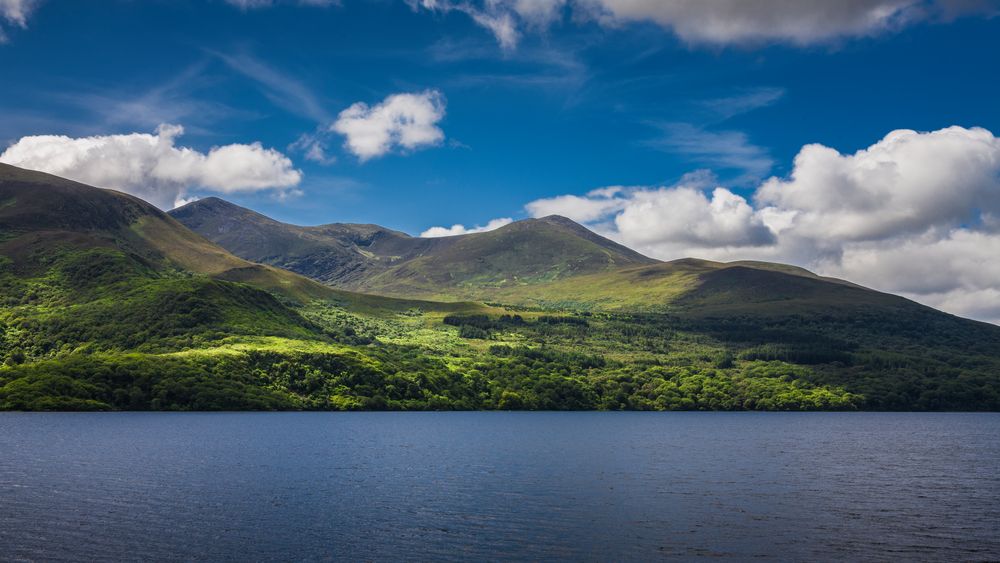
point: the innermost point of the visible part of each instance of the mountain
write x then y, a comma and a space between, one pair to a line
109, 303
100, 282
379, 260
547, 262
40, 212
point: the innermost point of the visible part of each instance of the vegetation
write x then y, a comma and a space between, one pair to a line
116, 306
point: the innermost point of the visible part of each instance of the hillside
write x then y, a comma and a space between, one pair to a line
109, 303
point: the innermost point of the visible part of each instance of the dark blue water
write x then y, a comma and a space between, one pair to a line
592, 486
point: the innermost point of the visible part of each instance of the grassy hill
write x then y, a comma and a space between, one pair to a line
109, 303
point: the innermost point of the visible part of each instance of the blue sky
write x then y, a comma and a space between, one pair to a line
515, 102
571, 108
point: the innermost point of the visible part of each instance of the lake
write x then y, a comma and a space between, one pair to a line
493, 485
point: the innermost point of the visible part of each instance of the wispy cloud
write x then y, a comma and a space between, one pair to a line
719, 149
743, 101
247, 5
478, 63
314, 147
173, 101
283, 90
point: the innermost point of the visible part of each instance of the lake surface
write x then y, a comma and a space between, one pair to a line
581, 486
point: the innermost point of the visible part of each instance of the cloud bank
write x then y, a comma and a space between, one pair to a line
153, 167
916, 213
714, 22
401, 121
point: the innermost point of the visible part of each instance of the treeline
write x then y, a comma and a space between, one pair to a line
401, 378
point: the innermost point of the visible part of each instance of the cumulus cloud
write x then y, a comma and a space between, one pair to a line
915, 214
406, 121
907, 182
717, 22
686, 215
434, 232
595, 206
152, 166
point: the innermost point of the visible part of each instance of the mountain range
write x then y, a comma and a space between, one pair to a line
546, 262
110, 303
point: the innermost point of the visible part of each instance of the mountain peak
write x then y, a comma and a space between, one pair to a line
211, 203
559, 220
372, 258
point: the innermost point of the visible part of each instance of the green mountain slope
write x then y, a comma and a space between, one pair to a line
108, 303
94, 279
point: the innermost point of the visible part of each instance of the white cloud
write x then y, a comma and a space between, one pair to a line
718, 22
500, 17
739, 21
313, 147
15, 12
407, 121
152, 167
595, 206
686, 215
957, 271
434, 232
914, 214
907, 182
500, 24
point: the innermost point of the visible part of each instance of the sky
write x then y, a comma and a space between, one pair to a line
854, 138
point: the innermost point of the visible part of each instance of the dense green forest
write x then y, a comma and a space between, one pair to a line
98, 330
